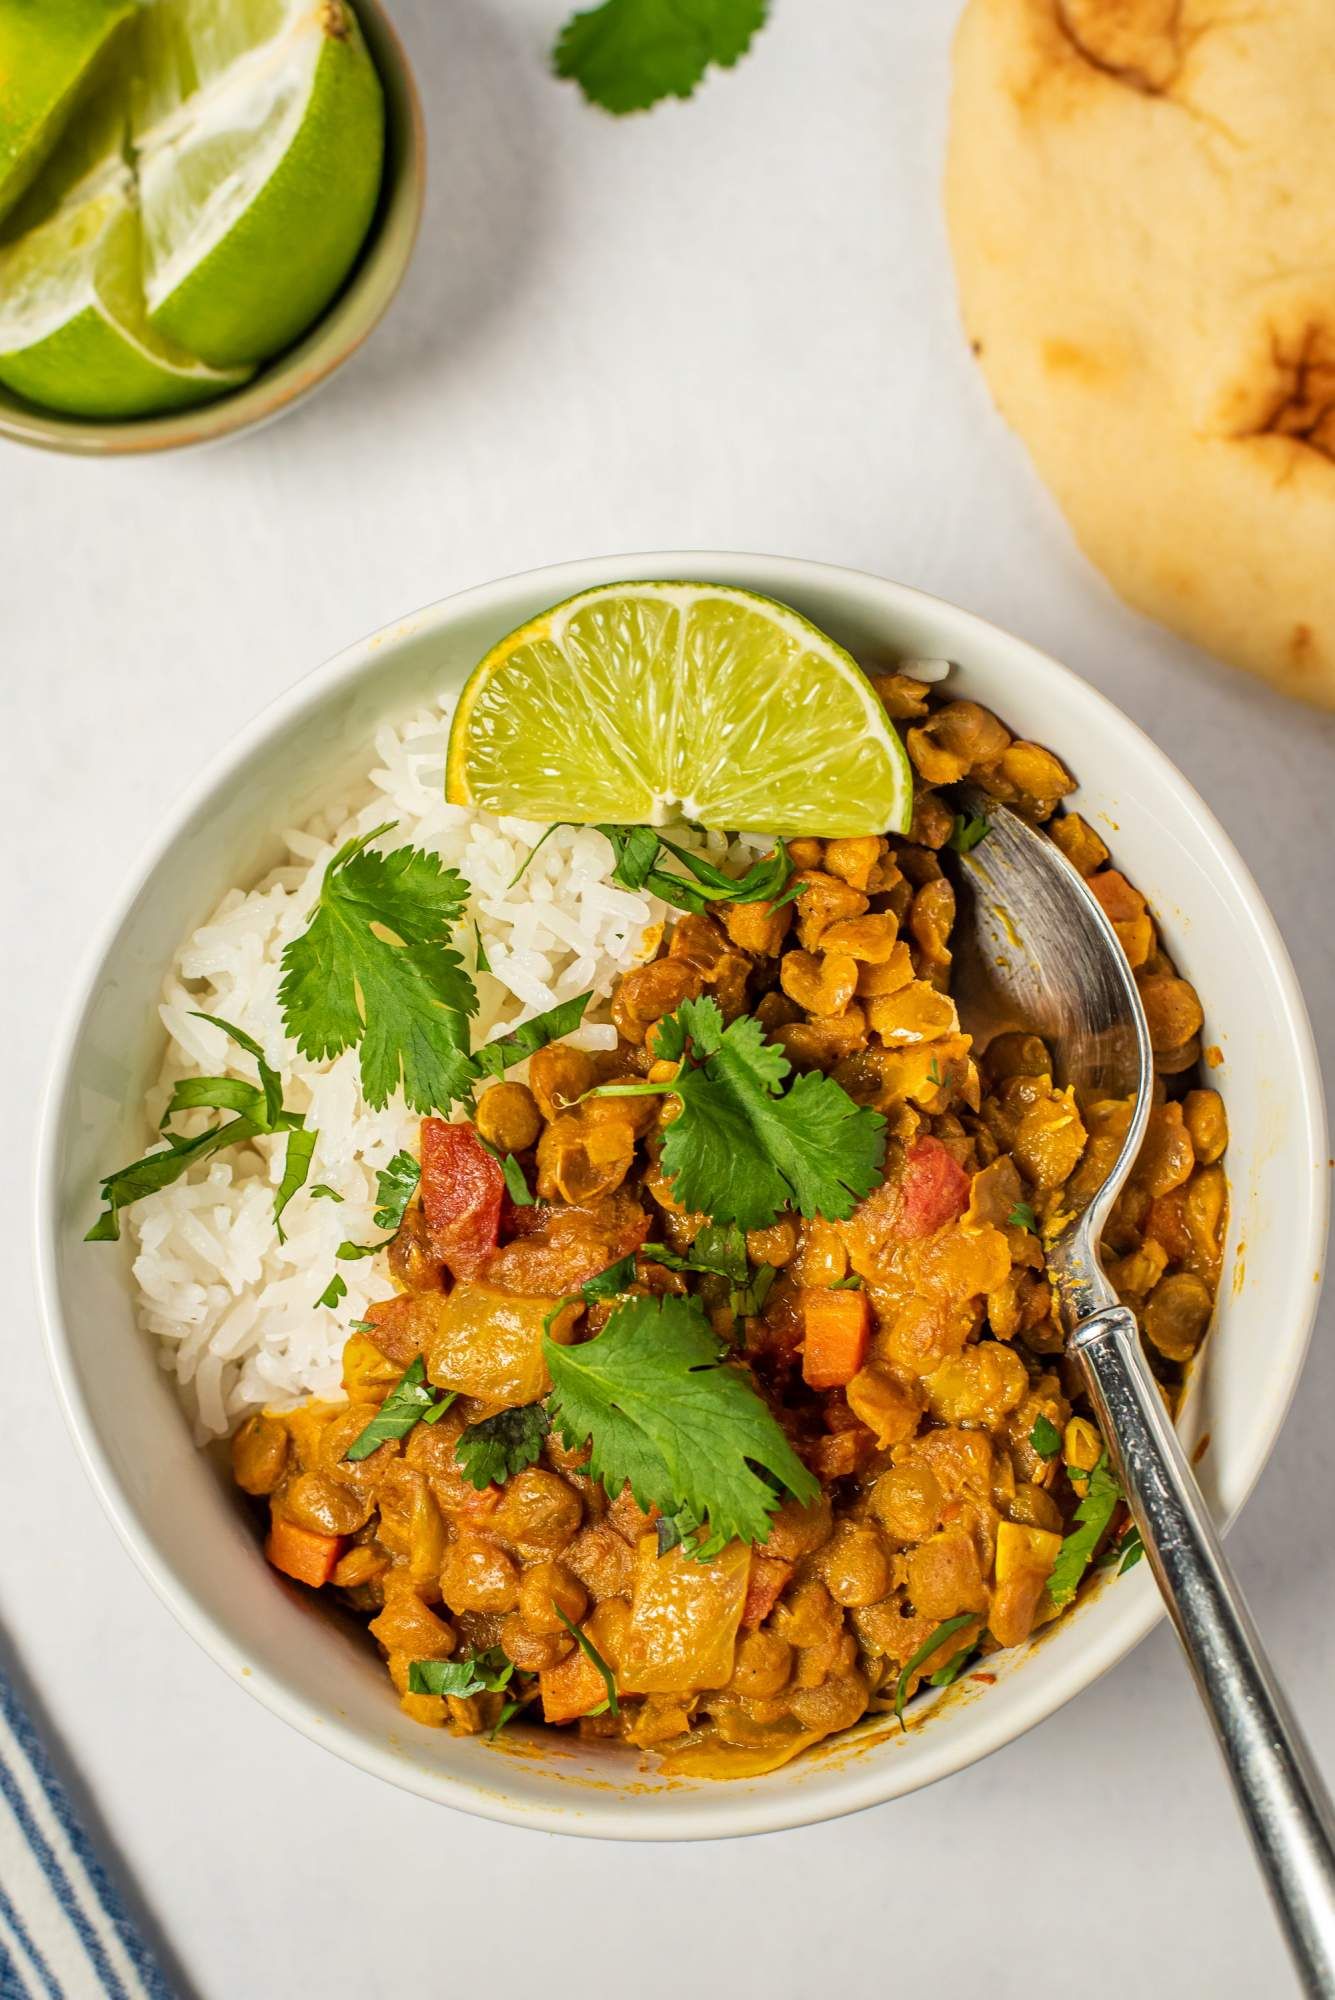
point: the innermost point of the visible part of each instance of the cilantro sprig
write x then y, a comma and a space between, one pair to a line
1093, 1515
374, 971
1045, 1437
259, 1110
743, 1148
664, 1413
627, 54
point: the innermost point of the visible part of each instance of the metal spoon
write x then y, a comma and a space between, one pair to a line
1034, 950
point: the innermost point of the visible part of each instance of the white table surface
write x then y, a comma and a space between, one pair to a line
730, 324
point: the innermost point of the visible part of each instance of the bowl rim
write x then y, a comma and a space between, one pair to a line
285, 380
871, 1780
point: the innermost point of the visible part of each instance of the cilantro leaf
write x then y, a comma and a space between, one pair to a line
1045, 1437
742, 1149
966, 833
474, 1673
483, 962
374, 971
636, 851
491, 1452
1022, 1217
925, 1651
595, 1658
322, 1192
627, 54
260, 1109
410, 1401
1093, 1515
336, 1289
515, 1185
663, 1413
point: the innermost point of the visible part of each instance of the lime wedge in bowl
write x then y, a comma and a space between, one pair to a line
73, 334
50, 54
259, 133
644, 703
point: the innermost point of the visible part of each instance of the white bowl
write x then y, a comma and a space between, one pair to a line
174, 1507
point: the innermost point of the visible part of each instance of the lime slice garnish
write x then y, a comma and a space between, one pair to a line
644, 703
49, 55
259, 141
73, 334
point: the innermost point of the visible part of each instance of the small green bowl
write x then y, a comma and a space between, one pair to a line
339, 331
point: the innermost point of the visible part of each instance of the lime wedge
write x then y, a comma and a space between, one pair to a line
73, 335
643, 703
259, 141
50, 53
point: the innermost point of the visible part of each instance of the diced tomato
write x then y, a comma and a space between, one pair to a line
463, 1190
765, 1586
934, 1190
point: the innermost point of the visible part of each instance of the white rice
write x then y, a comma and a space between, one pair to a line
233, 1308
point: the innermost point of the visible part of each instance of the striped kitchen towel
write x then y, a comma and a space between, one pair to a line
65, 1933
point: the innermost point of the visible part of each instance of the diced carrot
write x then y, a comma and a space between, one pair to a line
463, 1191
764, 1588
837, 1327
302, 1553
934, 1190
573, 1687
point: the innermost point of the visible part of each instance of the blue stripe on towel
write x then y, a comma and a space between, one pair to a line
82, 1922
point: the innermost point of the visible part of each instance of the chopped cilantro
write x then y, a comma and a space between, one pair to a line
637, 850
1130, 1550
362, 1325
336, 1289
491, 1452
966, 833
494, 1058
374, 971
663, 1412
1093, 1514
474, 1673
259, 1109
396, 1185
516, 1186
627, 54
1045, 1437
482, 961
595, 1658
1022, 1217
934, 1072
929, 1645
411, 1401
322, 1193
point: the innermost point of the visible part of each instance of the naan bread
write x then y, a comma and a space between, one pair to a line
1141, 197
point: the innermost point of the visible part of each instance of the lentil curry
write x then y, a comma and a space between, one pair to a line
925, 1486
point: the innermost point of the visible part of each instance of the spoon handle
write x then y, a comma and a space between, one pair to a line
1284, 1801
